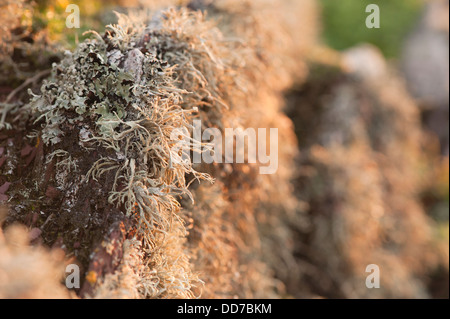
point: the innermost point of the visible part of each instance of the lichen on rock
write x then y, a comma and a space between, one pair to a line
106, 116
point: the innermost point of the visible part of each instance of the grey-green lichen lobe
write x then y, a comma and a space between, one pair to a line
89, 87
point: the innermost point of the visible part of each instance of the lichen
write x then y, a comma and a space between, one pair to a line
115, 95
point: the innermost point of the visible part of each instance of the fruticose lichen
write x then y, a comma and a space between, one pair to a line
115, 101
110, 186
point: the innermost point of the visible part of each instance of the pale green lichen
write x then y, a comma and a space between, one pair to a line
117, 97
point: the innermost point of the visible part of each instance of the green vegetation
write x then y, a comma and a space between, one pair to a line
344, 23
51, 15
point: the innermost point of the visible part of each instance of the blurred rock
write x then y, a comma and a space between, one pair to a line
425, 63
